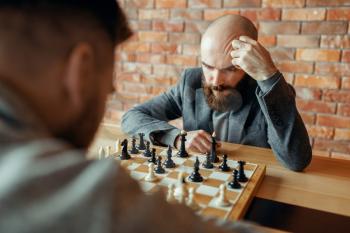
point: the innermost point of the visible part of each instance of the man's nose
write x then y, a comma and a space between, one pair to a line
217, 77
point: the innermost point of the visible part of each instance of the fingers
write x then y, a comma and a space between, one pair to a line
200, 141
248, 40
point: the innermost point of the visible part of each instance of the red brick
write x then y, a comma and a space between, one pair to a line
245, 3
337, 155
146, 98
124, 56
317, 55
298, 41
338, 14
171, 3
146, 14
328, 3
169, 25
131, 13
185, 38
157, 80
314, 81
334, 146
262, 14
336, 96
157, 90
211, 14
167, 70
130, 77
342, 134
136, 47
304, 14
166, 48
283, 3
280, 54
267, 41
308, 93
335, 69
139, 3
289, 77
183, 60
192, 50
315, 106
136, 88
279, 28
339, 41
333, 121
343, 110
140, 25
188, 14
150, 58
324, 28
149, 36
204, 4
113, 116
345, 56
320, 132
137, 67
308, 118
196, 26
294, 67
345, 83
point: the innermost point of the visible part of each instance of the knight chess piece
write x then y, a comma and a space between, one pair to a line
125, 155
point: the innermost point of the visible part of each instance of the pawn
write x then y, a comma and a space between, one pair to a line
241, 174
153, 156
180, 190
117, 146
108, 151
141, 145
196, 176
147, 152
170, 196
150, 177
207, 163
190, 200
169, 163
101, 152
222, 201
224, 167
133, 150
159, 168
234, 184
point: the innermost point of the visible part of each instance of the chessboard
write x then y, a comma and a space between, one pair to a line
206, 192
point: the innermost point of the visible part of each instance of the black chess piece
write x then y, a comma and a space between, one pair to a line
182, 152
153, 156
141, 145
169, 163
196, 176
213, 156
224, 167
159, 169
234, 184
147, 152
133, 150
125, 155
207, 163
241, 175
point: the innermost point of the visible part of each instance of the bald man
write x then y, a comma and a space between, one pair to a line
238, 93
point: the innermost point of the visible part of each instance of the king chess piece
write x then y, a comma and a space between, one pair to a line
169, 163
241, 174
133, 150
147, 152
141, 145
213, 155
196, 176
182, 152
124, 155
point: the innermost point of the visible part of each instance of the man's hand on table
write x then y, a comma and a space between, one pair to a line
197, 141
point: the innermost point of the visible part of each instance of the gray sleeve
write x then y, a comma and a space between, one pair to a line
152, 117
286, 131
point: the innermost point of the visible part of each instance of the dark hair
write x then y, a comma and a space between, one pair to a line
106, 12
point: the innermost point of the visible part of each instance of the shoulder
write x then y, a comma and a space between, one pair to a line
192, 77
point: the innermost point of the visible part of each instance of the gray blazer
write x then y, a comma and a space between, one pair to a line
268, 117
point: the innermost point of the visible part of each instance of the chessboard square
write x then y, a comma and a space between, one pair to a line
232, 195
213, 182
137, 175
178, 160
232, 163
214, 212
205, 172
202, 200
173, 174
142, 168
166, 181
139, 160
133, 166
186, 170
125, 163
147, 186
188, 163
220, 176
207, 190
213, 204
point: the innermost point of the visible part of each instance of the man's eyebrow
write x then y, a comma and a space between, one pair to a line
206, 64
226, 68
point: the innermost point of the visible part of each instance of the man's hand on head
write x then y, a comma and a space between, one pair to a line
253, 58
197, 141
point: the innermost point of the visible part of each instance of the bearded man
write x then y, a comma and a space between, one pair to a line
238, 93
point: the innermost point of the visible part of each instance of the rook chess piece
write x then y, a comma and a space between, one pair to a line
141, 145
213, 155
169, 163
207, 163
125, 155
222, 201
182, 152
147, 152
150, 177
224, 167
153, 156
159, 168
241, 174
234, 184
133, 150
196, 176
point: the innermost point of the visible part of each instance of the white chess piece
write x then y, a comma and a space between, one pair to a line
170, 196
190, 200
101, 152
108, 151
150, 177
222, 201
117, 146
180, 190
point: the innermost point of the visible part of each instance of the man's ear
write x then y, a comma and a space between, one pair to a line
79, 71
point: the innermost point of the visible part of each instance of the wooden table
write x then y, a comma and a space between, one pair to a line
324, 185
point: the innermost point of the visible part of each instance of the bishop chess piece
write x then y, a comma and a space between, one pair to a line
153, 156
241, 174
234, 184
182, 152
196, 176
141, 145
224, 167
213, 156
147, 152
159, 169
125, 154
169, 163
207, 163
133, 150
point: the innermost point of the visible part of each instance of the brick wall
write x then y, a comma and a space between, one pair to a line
308, 39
